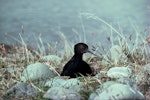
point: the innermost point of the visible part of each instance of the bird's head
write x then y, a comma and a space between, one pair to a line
80, 48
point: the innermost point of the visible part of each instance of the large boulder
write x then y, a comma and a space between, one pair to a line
37, 71
22, 89
128, 81
60, 93
119, 92
73, 84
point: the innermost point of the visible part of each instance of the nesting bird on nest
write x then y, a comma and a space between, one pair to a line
76, 66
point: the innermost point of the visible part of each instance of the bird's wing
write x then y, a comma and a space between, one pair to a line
70, 68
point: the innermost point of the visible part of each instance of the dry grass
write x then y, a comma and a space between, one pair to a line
19, 56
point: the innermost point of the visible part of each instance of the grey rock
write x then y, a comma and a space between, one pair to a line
37, 71
101, 89
69, 83
52, 58
107, 84
127, 81
21, 89
59, 93
119, 92
118, 72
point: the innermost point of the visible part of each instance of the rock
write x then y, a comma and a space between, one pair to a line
107, 84
52, 58
118, 72
37, 71
73, 84
119, 92
127, 81
117, 55
60, 93
21, 89
102, 87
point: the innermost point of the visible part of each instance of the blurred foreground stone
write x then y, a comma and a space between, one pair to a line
22, 89
37, 71
117, 91
73, 84
60, 93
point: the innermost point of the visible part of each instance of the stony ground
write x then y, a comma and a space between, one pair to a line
15, 59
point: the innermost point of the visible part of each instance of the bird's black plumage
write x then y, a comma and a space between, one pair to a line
76, 66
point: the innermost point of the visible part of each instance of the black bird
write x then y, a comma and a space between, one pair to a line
76, 66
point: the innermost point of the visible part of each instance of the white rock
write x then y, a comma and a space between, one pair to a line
118, 72
128, 81
107, 84
53, 58
69, 83
37, 71
61, 82
59, 93
120, 92
101, 89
